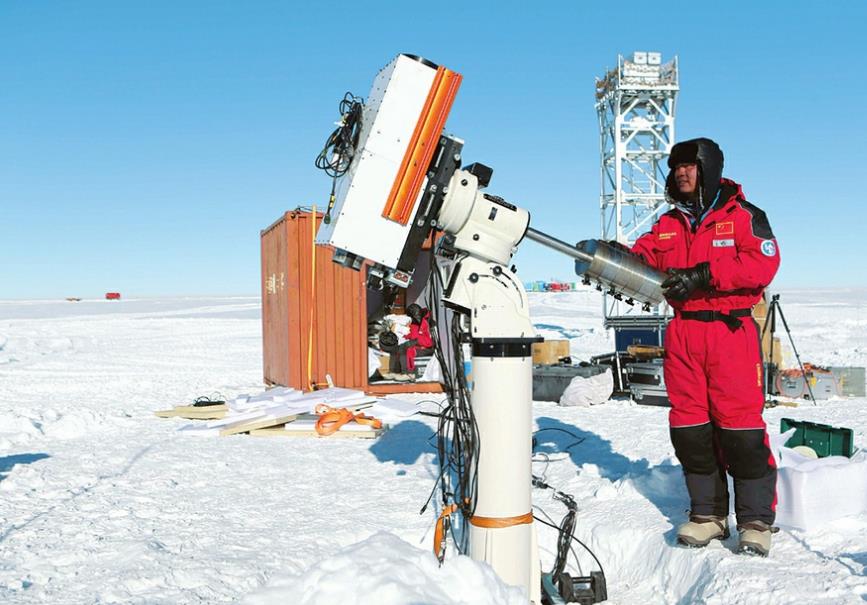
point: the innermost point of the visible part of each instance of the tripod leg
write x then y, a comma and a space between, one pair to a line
770, 322
798, 357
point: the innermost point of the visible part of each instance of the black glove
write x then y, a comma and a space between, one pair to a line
618, 246
683, 282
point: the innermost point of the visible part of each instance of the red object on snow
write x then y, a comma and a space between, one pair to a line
112, 296
558, 286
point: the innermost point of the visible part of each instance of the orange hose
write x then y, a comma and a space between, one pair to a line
439, 545
331, 419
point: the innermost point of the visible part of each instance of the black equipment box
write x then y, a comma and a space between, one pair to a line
646, 330
549, 382
647, 383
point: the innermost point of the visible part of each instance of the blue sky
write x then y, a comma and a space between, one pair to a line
143, 145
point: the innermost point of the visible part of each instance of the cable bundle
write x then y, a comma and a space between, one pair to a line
457, 439
339, 149
566, 530
336, 155
564, 538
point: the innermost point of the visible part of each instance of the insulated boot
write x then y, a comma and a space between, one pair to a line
756, 538
701, 529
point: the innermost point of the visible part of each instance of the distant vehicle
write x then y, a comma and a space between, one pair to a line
73, 298
558, 286
112, 296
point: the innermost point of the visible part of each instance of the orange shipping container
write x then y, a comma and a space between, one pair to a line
314, 306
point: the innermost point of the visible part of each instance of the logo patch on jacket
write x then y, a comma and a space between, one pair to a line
723, 243
667, 235
769, 248
727, 228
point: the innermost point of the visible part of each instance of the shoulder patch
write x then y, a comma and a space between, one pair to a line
760, 224
769, 248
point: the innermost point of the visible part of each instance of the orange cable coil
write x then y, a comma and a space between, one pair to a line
331, 419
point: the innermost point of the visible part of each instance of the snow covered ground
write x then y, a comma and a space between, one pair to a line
101, 502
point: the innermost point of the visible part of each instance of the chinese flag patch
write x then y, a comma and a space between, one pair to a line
725, 228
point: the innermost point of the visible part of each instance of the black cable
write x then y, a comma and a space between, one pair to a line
457, 438
584, 546
432, 303
571, 549
215, 398
578, 440
430, 496
436, 402
339, 149
555, 428
336, 155
546, 458
565, 529
567, 526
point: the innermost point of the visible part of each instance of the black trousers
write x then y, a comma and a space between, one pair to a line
397, 363
707, 453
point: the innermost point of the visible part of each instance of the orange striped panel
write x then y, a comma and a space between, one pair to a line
421, 147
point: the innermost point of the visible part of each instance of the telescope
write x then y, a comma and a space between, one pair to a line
398, 180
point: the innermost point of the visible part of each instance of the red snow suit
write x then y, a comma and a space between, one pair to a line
713, 366
421, 334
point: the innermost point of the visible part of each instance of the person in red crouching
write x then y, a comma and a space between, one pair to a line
419, 334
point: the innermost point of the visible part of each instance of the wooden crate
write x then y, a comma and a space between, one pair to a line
550, 352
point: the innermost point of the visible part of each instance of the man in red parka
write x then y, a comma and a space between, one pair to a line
720, 254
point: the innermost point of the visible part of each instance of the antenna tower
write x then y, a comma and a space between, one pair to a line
635, 103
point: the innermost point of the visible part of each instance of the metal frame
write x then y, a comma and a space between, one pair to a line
635, 103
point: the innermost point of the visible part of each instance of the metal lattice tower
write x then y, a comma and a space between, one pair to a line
635, 103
